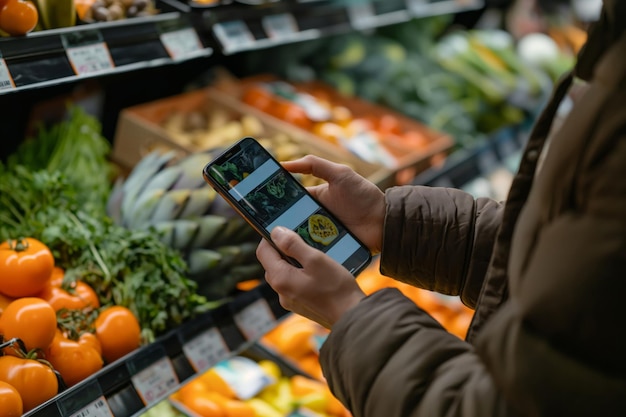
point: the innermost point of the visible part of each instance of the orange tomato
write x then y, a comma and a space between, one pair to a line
11, 404
25, 264
259, 97
34, 381
291, 113
5, 301
18, 17
388, 124
90, 339
80, 296
30, 319
118, 331
74, 361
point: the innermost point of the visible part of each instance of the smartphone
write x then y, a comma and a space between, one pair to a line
266, 195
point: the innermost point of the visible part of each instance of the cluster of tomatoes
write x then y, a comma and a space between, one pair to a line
53, 334
18, 17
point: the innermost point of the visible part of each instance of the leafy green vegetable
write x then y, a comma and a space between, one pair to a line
75, 148
126, 267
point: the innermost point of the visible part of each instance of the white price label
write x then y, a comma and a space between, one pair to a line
156, 381
6, 81
97, 408
233, 34
206, 349
280, 26
361, 15
418, 7
89, 59
181, 43
255, 320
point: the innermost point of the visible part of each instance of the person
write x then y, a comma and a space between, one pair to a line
545, 271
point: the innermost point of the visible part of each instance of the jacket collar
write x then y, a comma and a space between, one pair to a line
602, 34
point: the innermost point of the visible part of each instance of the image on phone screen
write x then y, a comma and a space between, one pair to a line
267, 195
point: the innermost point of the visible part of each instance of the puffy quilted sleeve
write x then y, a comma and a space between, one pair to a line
387, 357
439, 239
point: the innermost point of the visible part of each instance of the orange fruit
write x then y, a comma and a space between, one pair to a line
301, 386
215, 383
259, 97
205, 406
232, 407
11, 404
18, 17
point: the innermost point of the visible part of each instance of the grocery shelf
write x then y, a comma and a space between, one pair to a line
56, 56
237, 28
134, 383
183, 32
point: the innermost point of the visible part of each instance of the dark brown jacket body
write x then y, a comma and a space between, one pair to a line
545, 272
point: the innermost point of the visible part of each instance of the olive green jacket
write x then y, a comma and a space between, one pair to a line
545, 272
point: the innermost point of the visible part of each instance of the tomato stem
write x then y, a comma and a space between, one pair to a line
18, 245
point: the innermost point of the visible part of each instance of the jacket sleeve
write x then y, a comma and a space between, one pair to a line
440, 239
387, 357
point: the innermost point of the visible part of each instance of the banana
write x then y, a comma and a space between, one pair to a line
210, 226
199, 202
170, 206
141, 211
184, 233
202, 260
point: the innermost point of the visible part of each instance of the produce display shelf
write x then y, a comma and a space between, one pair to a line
181, 33
148, 375
237, 28
56, 56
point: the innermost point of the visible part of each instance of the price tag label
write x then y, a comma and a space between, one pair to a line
255, 320
90, 59
97, 408
419, 7
6, 81
181, 43
156, 381
233, 35
361, 15
206, 349
280, 26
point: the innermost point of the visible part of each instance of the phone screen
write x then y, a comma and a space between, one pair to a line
267, 195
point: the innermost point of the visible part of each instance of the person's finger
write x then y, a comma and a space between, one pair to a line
293, 246
318, 167
266, 254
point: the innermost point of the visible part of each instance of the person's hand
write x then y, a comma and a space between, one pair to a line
358, 203
322, 290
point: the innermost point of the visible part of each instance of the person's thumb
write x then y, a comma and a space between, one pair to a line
290, 243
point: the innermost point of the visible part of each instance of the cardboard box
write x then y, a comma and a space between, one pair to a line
409, 160
141, 129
